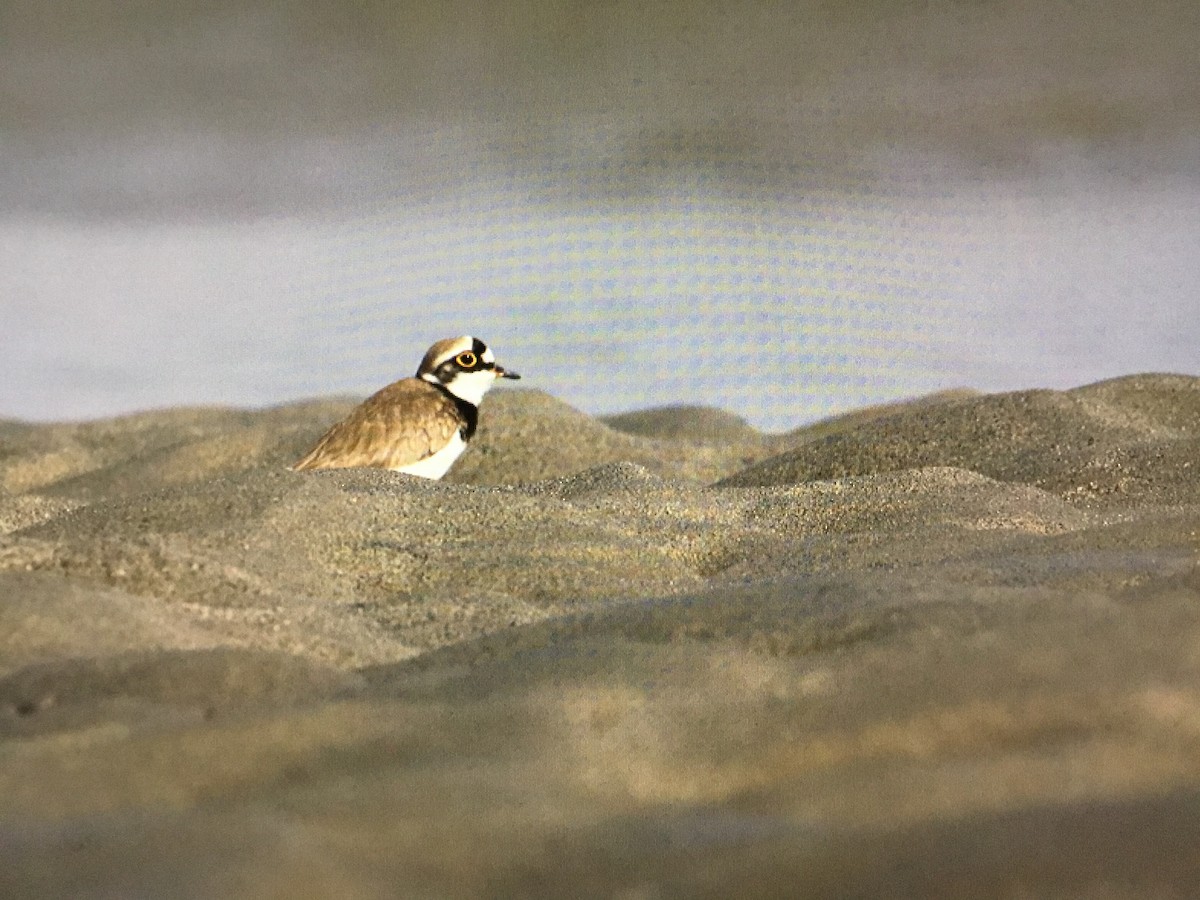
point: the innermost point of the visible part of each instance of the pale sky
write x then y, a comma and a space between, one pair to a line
779, 209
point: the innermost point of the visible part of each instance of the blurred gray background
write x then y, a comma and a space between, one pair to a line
782, 208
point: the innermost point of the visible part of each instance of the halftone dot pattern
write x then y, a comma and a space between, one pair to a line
776, 293
785, 210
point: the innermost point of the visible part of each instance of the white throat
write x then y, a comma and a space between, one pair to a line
468, 386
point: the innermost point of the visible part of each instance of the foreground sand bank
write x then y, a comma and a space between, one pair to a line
939, 649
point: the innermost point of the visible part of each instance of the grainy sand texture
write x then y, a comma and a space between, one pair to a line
946, 648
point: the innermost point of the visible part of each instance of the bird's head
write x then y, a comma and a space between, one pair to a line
465, 366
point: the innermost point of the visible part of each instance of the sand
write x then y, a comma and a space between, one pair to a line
944, 648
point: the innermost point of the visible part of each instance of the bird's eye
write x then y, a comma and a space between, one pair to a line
467, 360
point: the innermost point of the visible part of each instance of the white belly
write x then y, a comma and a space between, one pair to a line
438, 464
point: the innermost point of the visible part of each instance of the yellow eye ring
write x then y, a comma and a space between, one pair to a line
467, 360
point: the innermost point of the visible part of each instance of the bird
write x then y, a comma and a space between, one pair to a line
418, 425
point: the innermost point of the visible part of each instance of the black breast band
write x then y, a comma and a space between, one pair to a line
468, 411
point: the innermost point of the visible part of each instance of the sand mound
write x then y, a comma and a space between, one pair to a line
90, 460
526, 436
698, 424
176, 677
398, 553
46, 616
1111, 441
909, 651
856, 417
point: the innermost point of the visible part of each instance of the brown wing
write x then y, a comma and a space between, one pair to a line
382, 431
